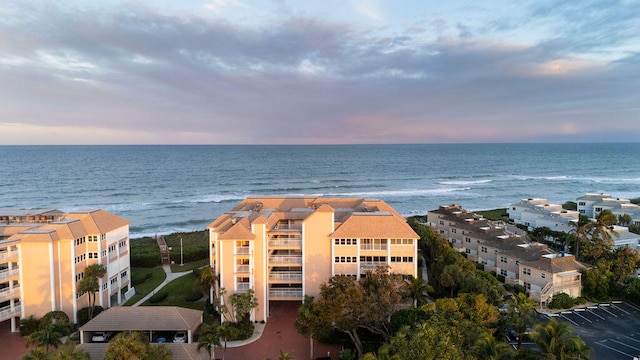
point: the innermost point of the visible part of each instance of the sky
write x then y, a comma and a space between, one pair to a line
318, 72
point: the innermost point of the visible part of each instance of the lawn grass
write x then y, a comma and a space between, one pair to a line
495, 214
177, 291
157, 277
176, 268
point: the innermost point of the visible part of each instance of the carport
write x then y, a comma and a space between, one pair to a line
150, 320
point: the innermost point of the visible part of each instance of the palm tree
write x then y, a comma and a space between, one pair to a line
579, 233
559, 340
521, 308
90, 285
208, 281
49, 335
487, 348
600, 234
417, 291
70, 352
209, 339
37, 354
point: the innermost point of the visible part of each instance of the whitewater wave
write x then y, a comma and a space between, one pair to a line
401, 193
465, 182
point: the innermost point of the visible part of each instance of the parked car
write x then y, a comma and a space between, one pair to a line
180, 337
101, 336
160, 339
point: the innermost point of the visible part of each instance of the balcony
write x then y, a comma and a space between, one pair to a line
243, 250
285, 276
373, 247
292, 242
5, 256
7, 274
285, 294
7, 312
285, 259
8, 293
285, 226
243, 287
372, 265
243, 269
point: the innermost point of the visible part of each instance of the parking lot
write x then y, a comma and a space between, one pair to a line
612, 330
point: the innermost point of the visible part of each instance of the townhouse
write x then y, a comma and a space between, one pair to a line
507, 251
591, 205
43, 254
286, 247
537, 213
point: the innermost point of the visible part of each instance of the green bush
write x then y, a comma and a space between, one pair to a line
145, 253
519, 289
480, 266
500, 278
158, 297
561, 301
29, 325
194, 296
242, 331
138, 278
55, 316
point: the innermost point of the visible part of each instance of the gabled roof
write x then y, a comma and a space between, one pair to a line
145, 318
239, 231
98, 221
374, 225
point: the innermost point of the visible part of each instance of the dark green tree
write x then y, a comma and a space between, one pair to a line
90, 284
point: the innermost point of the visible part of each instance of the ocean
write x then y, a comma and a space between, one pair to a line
164, 189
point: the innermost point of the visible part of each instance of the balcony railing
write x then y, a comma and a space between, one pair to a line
6, 255
285, 294
6, 274
291, 242
243, 286
282, 226
372, 265
243, 250
285, 259
373, 247
245, 269
7, 312
9, 293
285, 276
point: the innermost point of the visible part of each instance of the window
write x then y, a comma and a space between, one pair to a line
582, 203
542, 275
123, 274
345, 259
344, 241
503, 259
373, 244
93, 255
526, 271
93, 238
373, 259
441, 222
467, 239
484, 262
114, 280
468, 251
104, 253
453, 230
517, 262
104, 286
504, 272
483, 249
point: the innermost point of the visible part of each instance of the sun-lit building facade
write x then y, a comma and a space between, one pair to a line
286, 247
43, 255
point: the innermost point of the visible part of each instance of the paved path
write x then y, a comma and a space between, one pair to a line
170, 277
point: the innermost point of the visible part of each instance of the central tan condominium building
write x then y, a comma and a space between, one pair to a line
286, 247
43, 255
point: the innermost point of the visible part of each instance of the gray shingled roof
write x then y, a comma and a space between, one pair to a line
145, 318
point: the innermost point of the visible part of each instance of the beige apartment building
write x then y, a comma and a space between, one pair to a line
43, 255
286, 247
508, 251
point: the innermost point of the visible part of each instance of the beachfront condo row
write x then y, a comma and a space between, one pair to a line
508, 251
286, 247
43, 255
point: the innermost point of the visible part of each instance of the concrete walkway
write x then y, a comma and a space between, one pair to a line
170, 277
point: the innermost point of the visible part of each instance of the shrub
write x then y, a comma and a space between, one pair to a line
561, 301
480, 266
158, 297
517, 289
500, 278
194, 296
55, 316
29, 325
138, 278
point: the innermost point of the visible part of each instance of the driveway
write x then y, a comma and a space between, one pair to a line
280, 333
12, 344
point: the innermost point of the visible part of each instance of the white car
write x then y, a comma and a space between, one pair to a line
101, 336
180, 337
